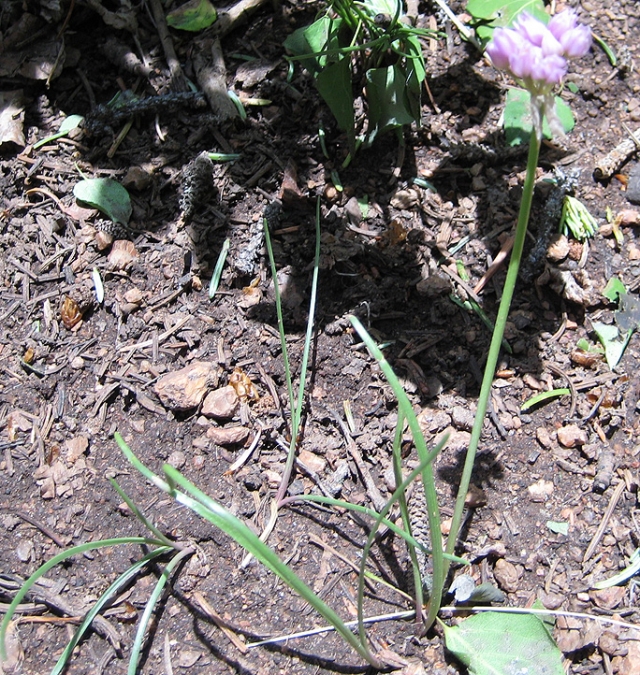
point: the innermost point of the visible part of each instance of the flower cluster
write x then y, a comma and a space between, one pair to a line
537, 54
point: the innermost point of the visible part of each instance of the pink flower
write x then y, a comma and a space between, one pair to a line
537, 54
504, 44
544, 46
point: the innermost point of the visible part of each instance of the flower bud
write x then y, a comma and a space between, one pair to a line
505, 43
561, 23
576, 42
530, 28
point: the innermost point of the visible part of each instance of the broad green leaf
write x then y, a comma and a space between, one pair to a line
496, 643
517, 117
106, 195
613, 342
416, 62
320, 36
386, 94
491, 14
391, 7
193, 16
334, 85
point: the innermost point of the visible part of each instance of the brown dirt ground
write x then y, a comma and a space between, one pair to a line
63, 392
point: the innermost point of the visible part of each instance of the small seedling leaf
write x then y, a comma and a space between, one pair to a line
614, 344
614, 289
495, 643
629, 571
586, 346
517, 117
217, 272
611, 55
543, 397
363, 203
193, 16
558, 528
575, 218
106, 195
69, 123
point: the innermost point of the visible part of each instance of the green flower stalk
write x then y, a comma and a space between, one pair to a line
536, 54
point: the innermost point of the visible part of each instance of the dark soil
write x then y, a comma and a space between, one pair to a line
65, 389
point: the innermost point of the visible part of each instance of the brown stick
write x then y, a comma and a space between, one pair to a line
230, 18
178, 82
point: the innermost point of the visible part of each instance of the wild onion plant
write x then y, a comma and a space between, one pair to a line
536, 55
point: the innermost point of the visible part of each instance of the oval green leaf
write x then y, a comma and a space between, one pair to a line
193, 16
495, 643
106, 195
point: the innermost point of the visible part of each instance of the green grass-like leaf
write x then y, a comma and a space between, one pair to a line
218, 515
428, 481
108, 595
217, 272
150, 606
543, 397
61, 557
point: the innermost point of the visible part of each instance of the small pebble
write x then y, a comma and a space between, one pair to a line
78, 363
572, 435
507, 575
540, 490
177, 459
462, 418
633, 186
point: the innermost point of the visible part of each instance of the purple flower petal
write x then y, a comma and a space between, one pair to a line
530, 28
504, 43
576, 42
549, 69
561, 23
522, 61
550, 45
